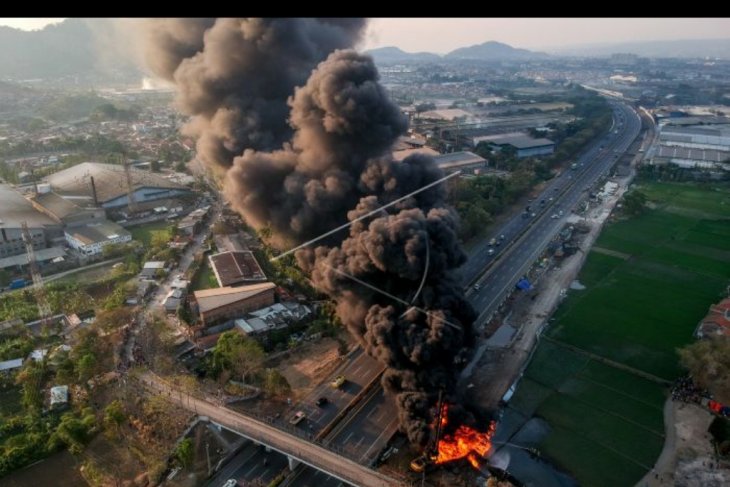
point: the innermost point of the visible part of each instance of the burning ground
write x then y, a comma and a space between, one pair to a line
303, 132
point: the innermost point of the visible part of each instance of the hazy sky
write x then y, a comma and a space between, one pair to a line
443, 35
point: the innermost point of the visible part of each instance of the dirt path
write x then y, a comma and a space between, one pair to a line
687, 458
613, 253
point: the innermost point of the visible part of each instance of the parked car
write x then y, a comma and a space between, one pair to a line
297, 418
338, 382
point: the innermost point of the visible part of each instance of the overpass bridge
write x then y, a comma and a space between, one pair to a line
298, 450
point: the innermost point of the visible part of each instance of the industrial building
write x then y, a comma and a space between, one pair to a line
694, 146
105, 185
713, 137
228, 303
15, 209
466, 162
92, 238
232, 268
67, 212
525, 145
276, 316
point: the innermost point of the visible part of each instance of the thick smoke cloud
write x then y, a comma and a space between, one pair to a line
234, 75
332, 165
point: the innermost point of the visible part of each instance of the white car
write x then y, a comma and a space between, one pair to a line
477, 287
231, 483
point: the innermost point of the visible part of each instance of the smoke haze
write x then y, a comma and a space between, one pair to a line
304, 133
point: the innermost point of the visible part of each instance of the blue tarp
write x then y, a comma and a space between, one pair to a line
524, 284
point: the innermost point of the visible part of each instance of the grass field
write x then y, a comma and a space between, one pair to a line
144, 233
606, 423
204, 278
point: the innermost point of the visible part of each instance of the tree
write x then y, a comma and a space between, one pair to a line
275, 383
155, 166
708, 362
237, 353
85, 367
184, 452
30, 379
634, 202
114, 415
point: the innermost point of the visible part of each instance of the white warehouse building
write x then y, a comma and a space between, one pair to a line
92, 238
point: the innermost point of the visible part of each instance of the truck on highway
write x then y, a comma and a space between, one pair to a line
17, 284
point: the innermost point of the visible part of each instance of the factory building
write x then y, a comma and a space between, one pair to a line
226, 303
525, 145
466, 162
92, 238
15, 209
105, 185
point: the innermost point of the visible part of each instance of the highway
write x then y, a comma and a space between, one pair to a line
359, 369
361, 435
335, 464
364, 431
566, 190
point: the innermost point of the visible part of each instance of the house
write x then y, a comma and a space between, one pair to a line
173, 299
151, 268
8, 366
232, 302
716, 322
59, 397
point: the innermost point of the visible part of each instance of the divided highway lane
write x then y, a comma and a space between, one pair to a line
360, 370
516, 260
479, 257
361, 436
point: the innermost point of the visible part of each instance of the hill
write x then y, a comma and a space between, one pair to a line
494, 51
68, 48
392, 54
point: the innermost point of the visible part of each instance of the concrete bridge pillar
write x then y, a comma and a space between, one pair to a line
293, 463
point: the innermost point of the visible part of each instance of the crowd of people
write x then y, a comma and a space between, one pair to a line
686, 390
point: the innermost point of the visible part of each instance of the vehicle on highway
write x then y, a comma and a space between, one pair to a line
554, 216
490, 252
560, 213
532, 214
338, 382
322, 401
477, 287
231, 483
297, 418
574, 165
493, 241
501, 237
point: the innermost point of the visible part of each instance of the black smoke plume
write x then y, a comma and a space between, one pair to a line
234, 75
333, 164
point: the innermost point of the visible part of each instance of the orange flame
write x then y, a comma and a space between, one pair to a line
465, 442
